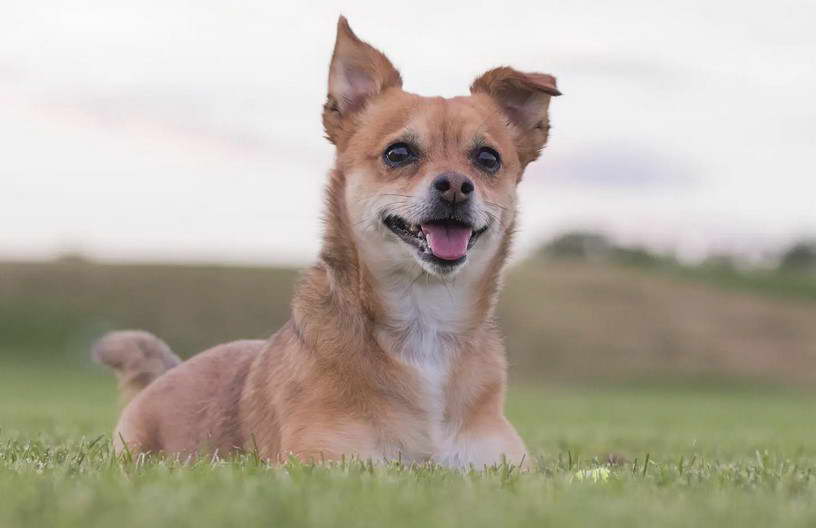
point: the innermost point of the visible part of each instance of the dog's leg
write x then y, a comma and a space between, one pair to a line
486, 444
324, 442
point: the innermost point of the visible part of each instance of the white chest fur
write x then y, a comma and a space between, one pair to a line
424, 324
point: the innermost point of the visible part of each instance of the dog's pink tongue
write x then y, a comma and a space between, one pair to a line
447, 242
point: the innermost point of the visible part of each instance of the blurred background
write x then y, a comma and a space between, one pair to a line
163, 164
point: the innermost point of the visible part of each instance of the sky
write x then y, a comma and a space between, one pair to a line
190, 131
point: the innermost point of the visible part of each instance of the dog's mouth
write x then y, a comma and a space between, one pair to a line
445, 242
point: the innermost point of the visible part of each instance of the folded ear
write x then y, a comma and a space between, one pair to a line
357, 72
525, 99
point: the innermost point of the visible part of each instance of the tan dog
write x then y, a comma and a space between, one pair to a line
392, 350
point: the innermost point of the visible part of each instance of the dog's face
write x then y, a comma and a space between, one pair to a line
430, 183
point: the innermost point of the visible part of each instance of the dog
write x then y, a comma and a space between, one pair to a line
392, 351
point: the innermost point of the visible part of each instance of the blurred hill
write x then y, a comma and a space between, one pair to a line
54, 310
791, 273
573, 319
564, 318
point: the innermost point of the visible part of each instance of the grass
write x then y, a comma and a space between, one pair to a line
713, 453
708, 455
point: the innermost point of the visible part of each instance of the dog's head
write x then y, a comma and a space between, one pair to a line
430, 183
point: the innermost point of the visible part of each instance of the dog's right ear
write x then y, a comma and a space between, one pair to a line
357, 73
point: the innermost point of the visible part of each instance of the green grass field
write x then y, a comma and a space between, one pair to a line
677, 455
694, 394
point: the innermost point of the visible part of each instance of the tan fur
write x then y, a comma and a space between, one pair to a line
137, 358
383, 357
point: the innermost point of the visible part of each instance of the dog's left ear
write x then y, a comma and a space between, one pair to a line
525, 99
357, 73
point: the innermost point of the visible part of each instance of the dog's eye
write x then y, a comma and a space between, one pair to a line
399, 154
487, 159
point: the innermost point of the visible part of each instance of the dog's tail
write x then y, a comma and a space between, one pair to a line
136, 357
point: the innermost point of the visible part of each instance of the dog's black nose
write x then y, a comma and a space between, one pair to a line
453, 187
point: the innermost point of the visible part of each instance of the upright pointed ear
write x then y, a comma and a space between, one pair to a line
357, 73
525, 99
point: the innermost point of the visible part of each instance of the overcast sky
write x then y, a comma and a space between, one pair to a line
167, 130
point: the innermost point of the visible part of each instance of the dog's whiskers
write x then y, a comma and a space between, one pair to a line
494, 204
400, 195
496, 219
